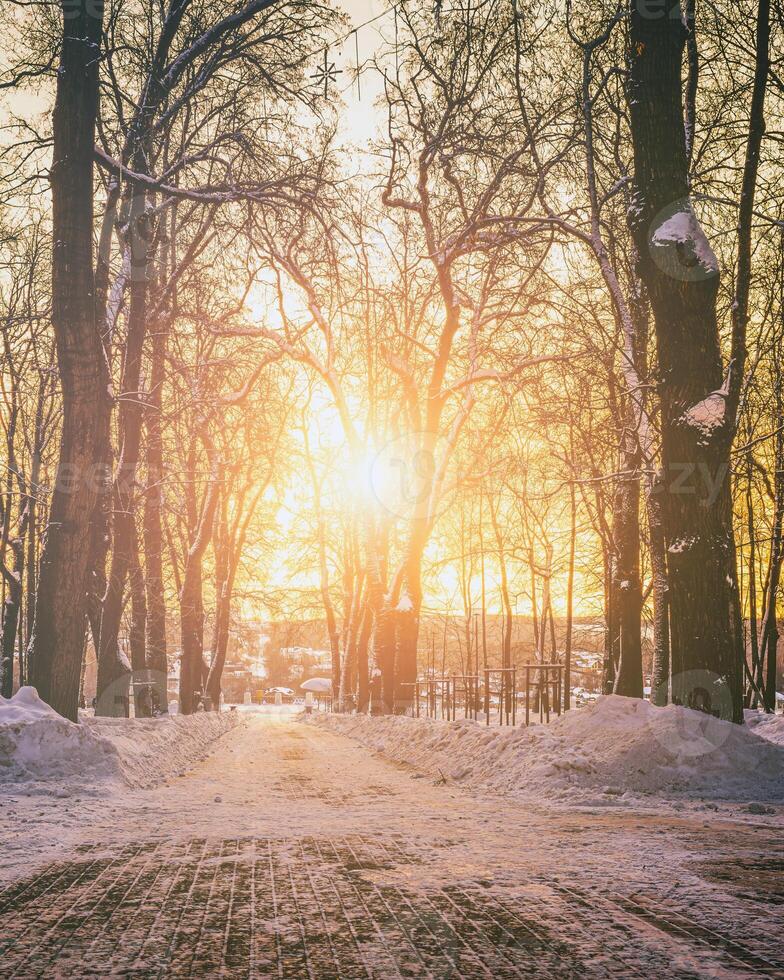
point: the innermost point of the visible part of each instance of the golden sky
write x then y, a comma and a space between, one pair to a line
361, 117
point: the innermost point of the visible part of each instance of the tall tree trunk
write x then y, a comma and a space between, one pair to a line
228, 548
329, 610
157, 660
546, 578
466, 576
740, 307
756, 662
383, 635
223, 589
58, 634
407, 622
506, 600
482, 578
660, 674
408, 607
363, 671
32, 554
567, 683
384, 651
348, 667
625, 583
30, 590
31, 542
12, 578
191, 608
190, 638
137, 633
220, 643
681, 275
101, 531
113, 675
12, 608
534, 607
770, 626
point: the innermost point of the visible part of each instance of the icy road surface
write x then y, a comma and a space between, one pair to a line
292, 851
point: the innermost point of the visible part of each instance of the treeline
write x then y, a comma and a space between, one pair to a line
526, 356
135, 434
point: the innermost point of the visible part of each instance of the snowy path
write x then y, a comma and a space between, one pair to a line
292, 852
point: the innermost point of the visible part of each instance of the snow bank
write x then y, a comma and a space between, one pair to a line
37, 745
770, 727
615, 747
153, 749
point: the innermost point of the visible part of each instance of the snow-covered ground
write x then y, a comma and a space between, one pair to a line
770, 727
294, 845
617, 747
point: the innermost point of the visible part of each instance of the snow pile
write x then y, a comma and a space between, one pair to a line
37, 745
770, 727
617, 746
152, 750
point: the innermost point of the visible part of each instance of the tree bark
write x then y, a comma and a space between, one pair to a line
383, 637
660, 674
157, 660
101, 531
329, 610
626, 603
567, 693
407, 618
57, 642
681, 275
363, 666
12, 608
223, 589
770, 628
348, 667
191, 609
756, 662
112, 666
137, 632
506, 638
220, 643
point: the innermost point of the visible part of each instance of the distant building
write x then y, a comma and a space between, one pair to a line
587, 659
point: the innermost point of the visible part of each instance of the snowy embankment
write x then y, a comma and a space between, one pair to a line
616, 747
770, 727
39, 746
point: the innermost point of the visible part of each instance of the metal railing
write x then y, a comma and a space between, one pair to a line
493, 694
